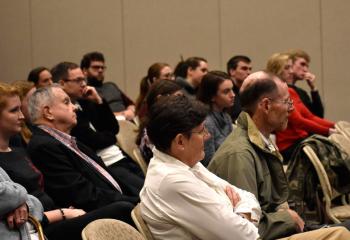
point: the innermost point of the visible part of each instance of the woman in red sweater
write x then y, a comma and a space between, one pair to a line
301, 122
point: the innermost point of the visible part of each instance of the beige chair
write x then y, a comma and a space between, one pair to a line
140, 223
126, 137
110, 229
140, 160
342, 141
334, 213
343, 127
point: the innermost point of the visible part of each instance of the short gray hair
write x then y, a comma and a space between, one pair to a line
41, 97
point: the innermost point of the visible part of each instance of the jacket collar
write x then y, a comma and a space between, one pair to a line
254, 135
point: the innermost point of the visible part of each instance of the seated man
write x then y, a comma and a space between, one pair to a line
181, 199
300, 68
97, 127
249, 160
93, 66
74, 174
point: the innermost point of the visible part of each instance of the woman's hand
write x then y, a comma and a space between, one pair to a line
18, 216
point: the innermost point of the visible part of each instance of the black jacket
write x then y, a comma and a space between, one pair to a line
69, 179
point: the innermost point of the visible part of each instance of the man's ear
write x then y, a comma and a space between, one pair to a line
47, 114
61, 82
85, 72
264, 104
232, 72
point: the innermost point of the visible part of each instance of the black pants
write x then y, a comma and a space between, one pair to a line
128, 175
70, 229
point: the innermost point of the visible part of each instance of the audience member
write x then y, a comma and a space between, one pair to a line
93, 66
15, 206
97, 127
301, 122
215, 91
158, 90
238, 68
74, 175
181, 199
24, 89
40, 76
249, 159
21, 170
300, 68
189, 74
156, 72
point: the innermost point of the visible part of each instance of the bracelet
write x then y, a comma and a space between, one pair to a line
62, 213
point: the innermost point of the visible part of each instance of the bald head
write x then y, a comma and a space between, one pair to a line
256, 86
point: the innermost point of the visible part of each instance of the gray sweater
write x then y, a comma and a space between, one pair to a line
12, 195
219, 125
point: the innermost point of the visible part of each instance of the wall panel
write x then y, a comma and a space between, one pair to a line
65, 30
15, 43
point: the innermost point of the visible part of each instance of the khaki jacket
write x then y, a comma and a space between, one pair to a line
245, 161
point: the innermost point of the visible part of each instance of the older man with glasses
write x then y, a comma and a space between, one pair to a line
96, 126
249, 160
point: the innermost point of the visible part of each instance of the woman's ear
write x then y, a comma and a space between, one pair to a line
179, 141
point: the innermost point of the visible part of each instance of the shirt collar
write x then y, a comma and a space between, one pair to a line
58, 134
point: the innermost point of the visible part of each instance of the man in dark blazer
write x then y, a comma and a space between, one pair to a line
97, 126
74, 175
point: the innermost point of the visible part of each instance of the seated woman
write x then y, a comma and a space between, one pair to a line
158, 89
181, 199
301, 122
15, 206
156, 72
216, 91
24, 89
59, 223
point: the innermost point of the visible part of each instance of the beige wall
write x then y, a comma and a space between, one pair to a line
135, 33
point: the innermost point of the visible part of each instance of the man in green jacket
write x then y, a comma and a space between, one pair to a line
249, 160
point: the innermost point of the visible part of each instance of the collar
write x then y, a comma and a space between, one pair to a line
166, 158
255, 136
59, 135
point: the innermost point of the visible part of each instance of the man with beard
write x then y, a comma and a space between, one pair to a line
93, 67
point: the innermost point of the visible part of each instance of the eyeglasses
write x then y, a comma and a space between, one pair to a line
78, 80
204, 132
289, 102
97, 67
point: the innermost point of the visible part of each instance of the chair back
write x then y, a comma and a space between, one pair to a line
344, 128
140, 160
342, 141
110, 229
126, 137
140, 223
37, 227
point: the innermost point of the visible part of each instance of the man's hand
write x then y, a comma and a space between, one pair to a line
91, 94
311, 79
17, 217
299, 222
